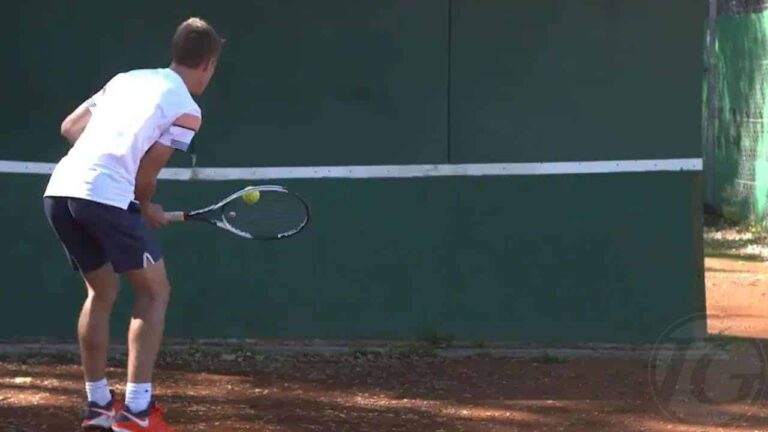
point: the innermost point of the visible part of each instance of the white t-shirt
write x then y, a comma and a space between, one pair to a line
134, 111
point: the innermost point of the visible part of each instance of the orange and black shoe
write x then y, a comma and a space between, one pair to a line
98, 418
149, 420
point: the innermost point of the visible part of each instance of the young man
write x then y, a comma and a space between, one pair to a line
99, 202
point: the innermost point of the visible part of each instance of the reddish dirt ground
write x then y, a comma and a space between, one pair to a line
375, 392
737, 297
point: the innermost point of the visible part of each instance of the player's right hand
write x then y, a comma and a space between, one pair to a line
155, 215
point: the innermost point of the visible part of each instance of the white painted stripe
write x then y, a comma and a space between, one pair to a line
397, 171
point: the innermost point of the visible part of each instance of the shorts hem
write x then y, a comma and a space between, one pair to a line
142, 266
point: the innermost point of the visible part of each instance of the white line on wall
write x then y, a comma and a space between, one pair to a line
397, 171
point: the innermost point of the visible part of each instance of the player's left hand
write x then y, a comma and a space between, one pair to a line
155, 215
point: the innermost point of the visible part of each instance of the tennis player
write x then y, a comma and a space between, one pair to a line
99, 203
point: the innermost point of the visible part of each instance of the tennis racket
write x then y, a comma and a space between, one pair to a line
256, 212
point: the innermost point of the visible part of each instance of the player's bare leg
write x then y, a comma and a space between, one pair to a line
145, 335
93, 326
151, 292
102, 286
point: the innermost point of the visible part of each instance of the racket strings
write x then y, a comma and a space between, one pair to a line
275, 214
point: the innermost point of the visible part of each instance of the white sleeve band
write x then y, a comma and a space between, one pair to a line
177, 137
93, 101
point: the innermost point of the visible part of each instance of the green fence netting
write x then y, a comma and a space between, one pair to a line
737, 124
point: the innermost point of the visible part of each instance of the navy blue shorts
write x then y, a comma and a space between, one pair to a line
94, 234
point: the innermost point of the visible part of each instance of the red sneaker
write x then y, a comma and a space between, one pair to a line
100, 417
149, 420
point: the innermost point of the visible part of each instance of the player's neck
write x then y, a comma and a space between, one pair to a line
185, 73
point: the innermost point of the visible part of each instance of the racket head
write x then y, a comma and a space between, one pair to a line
277, 214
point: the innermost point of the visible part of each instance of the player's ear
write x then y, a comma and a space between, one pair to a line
209, 64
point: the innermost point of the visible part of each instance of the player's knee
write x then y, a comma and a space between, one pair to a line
160, 293
151, 306
153, 296
161, 290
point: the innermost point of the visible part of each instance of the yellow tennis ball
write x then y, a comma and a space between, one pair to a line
251, 197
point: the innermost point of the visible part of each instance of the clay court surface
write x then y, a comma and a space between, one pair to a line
248, 391
737, 297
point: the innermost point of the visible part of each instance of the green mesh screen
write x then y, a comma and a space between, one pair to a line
738, 122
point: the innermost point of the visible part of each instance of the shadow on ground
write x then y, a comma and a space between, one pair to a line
374, 392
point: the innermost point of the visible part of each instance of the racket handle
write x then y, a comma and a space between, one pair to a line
176, 216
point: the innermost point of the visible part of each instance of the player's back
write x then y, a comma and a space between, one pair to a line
127, 118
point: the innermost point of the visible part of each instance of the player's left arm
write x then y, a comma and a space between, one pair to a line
177, 137
74, 125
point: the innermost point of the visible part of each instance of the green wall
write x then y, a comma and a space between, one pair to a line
574, 258
553, 80
300, 82
483, 258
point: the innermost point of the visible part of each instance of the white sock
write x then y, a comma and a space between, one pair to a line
98, 391
137, 396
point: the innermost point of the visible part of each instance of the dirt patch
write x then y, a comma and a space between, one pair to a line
737, 297
369, 393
